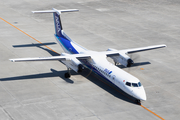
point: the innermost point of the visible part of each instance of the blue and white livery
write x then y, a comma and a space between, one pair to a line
77, 57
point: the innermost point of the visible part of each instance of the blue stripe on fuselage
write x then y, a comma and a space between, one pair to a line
67, 44
90, 67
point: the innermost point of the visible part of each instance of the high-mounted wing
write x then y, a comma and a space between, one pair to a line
128, 51
61, 58
70, 60
120, 56
144, 48
40, 59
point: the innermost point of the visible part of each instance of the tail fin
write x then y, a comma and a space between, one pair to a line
57, 20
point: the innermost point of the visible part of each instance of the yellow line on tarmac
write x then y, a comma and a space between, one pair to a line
131, 99
153, 113
28, 35
86, 76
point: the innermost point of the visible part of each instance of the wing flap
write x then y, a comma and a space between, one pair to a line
83, 57
112, 54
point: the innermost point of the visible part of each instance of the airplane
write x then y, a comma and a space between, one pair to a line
77, 58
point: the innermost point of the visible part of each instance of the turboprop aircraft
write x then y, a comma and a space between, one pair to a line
77, 57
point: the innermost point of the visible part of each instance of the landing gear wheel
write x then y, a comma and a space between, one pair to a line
67, 75
138, 102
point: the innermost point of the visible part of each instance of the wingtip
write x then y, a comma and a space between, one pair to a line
164, 45
12, 60
76, 9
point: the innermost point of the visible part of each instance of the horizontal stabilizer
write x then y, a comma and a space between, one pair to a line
57, 21
55, 10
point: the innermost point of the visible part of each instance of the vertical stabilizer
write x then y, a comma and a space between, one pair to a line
57, 24
57, 20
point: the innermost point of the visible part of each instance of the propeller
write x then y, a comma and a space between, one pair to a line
130, 62
133, 59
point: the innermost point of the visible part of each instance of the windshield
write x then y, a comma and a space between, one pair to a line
128, 84
133, 84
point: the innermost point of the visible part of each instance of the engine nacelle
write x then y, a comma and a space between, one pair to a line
73, 63
122, 58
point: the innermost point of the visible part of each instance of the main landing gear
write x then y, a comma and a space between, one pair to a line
68, 74
138, 102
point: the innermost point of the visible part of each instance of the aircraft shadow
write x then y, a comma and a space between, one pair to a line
97, 80
107, 86
51, 74
135, 64
41, 46
93, 77
34, 44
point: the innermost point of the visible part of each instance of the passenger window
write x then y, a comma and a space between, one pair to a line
128, 84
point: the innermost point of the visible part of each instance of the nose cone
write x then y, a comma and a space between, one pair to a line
139, 93
142, 96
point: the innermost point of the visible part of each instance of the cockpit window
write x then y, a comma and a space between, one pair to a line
134, 84
128, 83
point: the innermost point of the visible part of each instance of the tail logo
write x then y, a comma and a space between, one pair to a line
57, 23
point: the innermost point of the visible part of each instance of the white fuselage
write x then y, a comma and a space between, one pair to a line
116, 76
99, 64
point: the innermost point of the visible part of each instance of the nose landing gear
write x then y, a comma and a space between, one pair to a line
138, 102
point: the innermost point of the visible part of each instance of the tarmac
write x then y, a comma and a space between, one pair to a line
39, 91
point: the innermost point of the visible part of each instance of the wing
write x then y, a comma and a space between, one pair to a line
129, 51
61, 58
85, 56
40, 59
145, 48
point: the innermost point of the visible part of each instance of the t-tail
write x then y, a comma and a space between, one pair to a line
57, 20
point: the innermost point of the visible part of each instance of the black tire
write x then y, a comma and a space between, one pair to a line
67, 75
138, 102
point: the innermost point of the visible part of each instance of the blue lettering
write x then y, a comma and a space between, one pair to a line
107, 71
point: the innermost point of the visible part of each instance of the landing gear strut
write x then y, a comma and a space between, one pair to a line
116, 63
138, 102
68, 74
